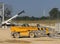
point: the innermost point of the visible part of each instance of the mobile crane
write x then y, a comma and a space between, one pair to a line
7, 21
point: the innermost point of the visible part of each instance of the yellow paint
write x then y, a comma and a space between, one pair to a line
24, 31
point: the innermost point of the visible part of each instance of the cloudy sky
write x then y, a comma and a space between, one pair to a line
35, 8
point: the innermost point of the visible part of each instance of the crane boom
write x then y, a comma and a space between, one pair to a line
13, 17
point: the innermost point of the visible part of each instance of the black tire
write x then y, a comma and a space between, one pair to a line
50, 35
39, 34
31, 35
16, 35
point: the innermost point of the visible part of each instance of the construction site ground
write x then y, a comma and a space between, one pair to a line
6, 38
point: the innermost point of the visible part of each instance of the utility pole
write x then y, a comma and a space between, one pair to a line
3, 13
43, 12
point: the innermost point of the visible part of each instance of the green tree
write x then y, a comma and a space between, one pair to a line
44, 18
54, 13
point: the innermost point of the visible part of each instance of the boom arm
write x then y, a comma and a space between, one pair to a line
13, 17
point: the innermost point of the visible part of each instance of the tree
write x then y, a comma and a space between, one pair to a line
54, 13
44, 17
7, 11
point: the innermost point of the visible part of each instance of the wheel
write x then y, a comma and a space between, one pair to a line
49, 34
16, 35
38, 34
31, 35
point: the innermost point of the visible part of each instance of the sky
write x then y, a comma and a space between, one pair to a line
35, 8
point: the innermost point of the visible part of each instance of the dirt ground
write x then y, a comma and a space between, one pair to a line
6, 38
